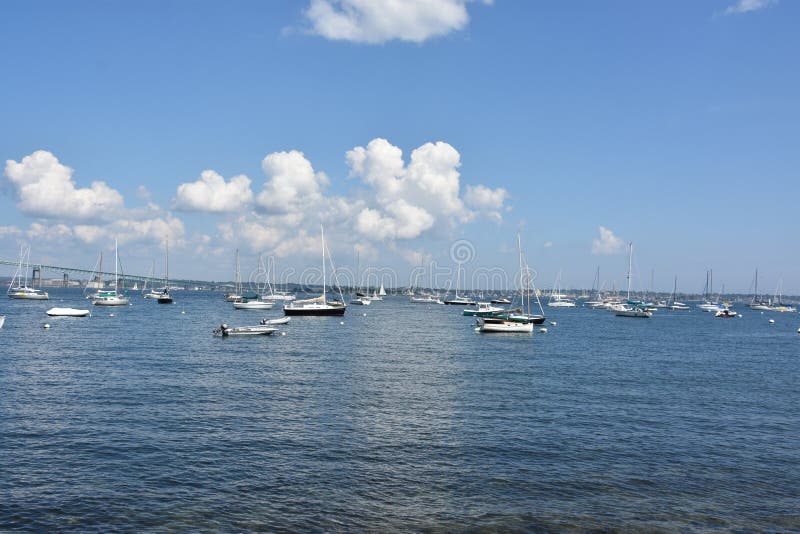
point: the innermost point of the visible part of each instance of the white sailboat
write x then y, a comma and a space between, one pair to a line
275, 294
21, 291
673, 303
236, 295
557, 300
319, 305
360, 299
631, 308
112, 297
255, 302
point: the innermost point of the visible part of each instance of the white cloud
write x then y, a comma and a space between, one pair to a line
152, 230
411, 200
607, 244
45, 188
378, 21
292, 183
56, 232
9, 230
211, 193
746, 6
486, 200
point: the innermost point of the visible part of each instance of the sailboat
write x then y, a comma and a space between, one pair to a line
21, 291
165, 297
275, 294
153, 293
382, 291
319, 305
112, 297
460, 300
757, 303
557, 300
361, 299
631, 308
674, 304
248, 302
777, 303
508, 322
236, 295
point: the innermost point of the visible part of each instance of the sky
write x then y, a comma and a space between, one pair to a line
413, 131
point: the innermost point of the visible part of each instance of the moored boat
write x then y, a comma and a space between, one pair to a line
259, 330
497, 325
66, 312
319, 306
725, 313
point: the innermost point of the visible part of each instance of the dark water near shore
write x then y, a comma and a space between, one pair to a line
403, 419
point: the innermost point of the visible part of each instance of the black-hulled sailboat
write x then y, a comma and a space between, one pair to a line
319, 305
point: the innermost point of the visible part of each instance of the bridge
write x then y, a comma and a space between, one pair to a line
88, 274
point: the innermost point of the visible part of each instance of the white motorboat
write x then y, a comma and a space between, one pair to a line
255, 304
361, 301
726, 313
426, 299
259, 330
66, 312
495, 325
483, 309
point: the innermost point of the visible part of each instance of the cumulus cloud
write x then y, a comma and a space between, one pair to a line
607, 244
379, 21
291, 183
412, 199
489, 201
211, 193
45, 188
746, 6
153, 230
56, 232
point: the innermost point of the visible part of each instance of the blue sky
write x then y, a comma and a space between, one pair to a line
674, 125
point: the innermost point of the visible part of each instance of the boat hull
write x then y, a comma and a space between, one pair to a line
66, 312
253, 305
326, 311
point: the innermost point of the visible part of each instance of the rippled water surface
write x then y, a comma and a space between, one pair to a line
400, 419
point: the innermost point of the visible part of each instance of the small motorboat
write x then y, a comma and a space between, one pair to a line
66, 312
260, 330
501, 301
361, 301
725, 313
280, 320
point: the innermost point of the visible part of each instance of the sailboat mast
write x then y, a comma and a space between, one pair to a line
521, 283
166, 267
324, 274
630, 266
116, 262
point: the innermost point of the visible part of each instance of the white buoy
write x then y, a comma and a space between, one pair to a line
283, 333
365, 315
341, 322
772, 321
46, 325
543, 330
553, 323
111, 315
183, 312
798, 330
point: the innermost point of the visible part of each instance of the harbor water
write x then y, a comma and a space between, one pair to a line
401, 418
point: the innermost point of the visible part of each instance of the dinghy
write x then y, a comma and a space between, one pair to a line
260, 330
